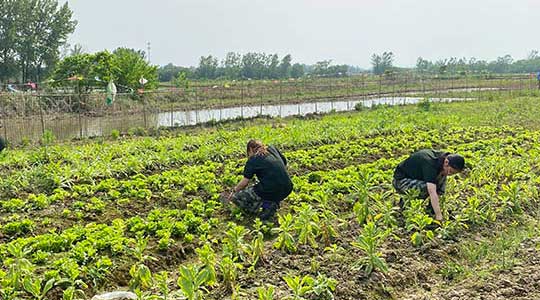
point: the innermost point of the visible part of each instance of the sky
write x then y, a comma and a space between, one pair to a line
345, 31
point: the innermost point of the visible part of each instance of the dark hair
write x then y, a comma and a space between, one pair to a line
440, 160
257, 147
456, 161
2, 144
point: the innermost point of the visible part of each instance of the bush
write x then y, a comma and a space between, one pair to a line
425, 104
359, 106
115, 134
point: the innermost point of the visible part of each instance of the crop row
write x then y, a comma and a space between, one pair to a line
111, 196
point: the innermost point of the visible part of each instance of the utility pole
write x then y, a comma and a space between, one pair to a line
148, 51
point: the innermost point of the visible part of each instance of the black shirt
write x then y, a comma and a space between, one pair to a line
423, 165
274, 181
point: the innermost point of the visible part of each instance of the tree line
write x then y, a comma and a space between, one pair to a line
503, 64
33, 33
252, 65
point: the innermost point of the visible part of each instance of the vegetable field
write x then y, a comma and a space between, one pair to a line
143, 214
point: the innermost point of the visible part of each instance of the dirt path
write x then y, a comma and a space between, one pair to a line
521, 282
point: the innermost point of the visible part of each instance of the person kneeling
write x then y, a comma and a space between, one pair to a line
269, 165
426, 171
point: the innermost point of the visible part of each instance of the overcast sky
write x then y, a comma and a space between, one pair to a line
346, 31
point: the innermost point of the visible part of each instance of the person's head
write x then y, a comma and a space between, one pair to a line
453, 164
256, 147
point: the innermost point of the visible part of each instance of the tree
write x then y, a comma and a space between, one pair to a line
533, 55
80, 71
272, 70
129, 66
8, 38
382, 62
169, 72
232, 65
285, 66
207, 67
321, 67
297, 70
42, 28
87, 71
423, 65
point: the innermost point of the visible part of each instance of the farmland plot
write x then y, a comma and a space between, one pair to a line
144, 213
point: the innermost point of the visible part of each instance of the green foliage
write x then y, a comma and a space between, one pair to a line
382, 63
36, 288
115, 134
425, 104
418, 222
322, 287
234, 245
31, 35
191, 280
162, 281
208, 258
300, 286
369, 242
229, 272
141, 277
307, 225
124, 66
266, 293
285, 240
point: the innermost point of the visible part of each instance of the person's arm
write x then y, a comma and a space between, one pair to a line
240, 186
434, 197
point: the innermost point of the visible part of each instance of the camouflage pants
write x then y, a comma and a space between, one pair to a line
404, 185
251, 203
407, 184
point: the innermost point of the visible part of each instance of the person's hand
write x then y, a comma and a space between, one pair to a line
231, 194
225, 197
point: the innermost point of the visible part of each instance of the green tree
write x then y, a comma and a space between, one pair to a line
232, 65
297, 70
423, 65
382, 62
208, 66
285, 66
86, 71
169, 72
8, 38
80, 71
42, 29
129, 66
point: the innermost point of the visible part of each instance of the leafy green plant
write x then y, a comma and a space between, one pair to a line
369, 242
256, 248
285, 240
300, 286
266, 293
162, 280
323, 287
229, 272
307, 225
191, 280
234, 244
141, 277
208, 258
36, 287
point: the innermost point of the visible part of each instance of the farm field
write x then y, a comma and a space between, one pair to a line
82, 218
